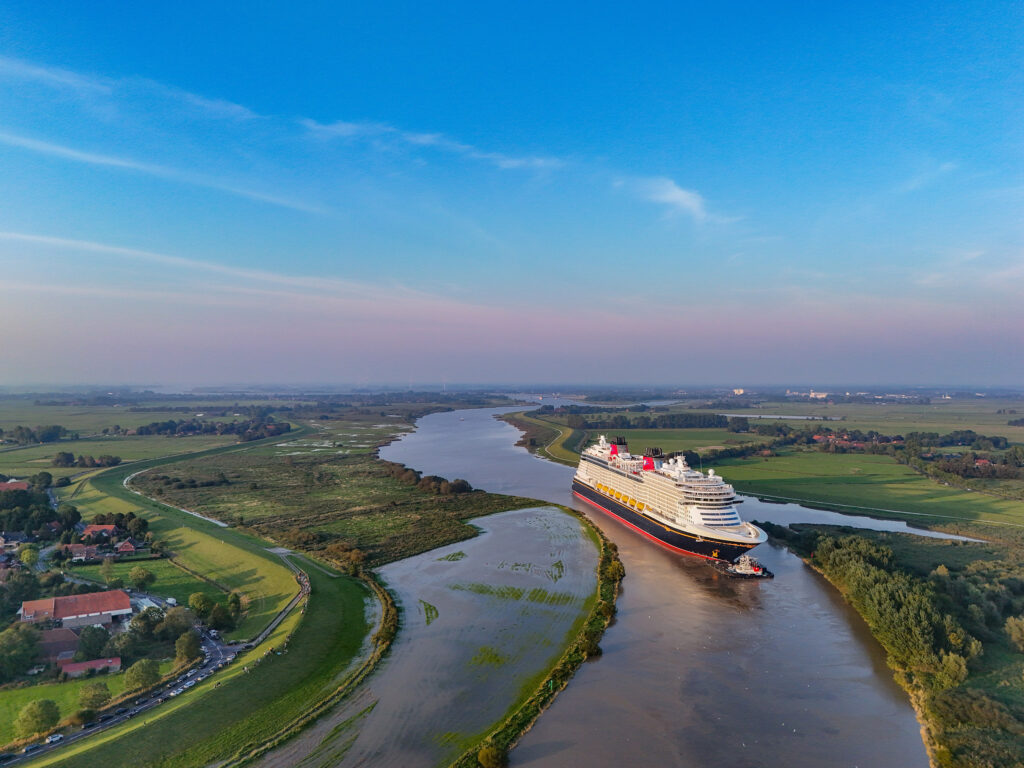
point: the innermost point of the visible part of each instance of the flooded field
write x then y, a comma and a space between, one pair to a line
482, 621
698, 669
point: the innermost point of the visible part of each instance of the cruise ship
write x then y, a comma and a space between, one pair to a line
666, 500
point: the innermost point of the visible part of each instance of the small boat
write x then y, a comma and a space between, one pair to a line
746, 567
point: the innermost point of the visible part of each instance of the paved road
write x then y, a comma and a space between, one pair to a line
216, 655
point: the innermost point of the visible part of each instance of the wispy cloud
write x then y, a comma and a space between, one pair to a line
151, 169
664, 191
926, 178
16, 69
377, 131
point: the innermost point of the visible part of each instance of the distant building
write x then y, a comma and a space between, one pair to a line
79, 668
81, 553
78, 610
11, 540
57, 645
96, 531
738, 391
127, 547
14, 485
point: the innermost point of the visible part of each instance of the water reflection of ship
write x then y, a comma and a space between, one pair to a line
664, 499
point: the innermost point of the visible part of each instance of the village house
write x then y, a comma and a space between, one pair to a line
57, 645
81, 553
99, 531
78, 610
11, 540
79, 668
14, 485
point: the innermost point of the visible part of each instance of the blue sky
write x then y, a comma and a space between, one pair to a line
667, 193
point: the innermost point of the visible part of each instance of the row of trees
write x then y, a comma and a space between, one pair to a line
28, 435
67, 459
250, 429
664, 421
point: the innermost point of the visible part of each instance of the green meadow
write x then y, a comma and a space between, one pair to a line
171, 581
862, 482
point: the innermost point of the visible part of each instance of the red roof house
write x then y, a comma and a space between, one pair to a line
78, 610
14, 485
79, 668
99, 530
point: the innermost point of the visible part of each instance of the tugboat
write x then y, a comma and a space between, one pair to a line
746, 567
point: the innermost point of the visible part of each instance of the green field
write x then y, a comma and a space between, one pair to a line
208, 724
22, 462
231, 559
171, 581
864, 482
327, 496
12, 700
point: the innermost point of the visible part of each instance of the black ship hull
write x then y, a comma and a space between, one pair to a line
687, 544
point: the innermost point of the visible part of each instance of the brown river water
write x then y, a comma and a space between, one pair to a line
698, 669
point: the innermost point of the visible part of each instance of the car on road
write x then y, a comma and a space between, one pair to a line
120, 710
6, 757
90, 724
53, 738
31, 748
107, 716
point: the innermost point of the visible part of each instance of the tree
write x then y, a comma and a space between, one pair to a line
36, 717
107, 569
140, 577
19, 647
141, 674
146, 621
220, 619
93, 695
63, 459
235, 604
187, 647
201, 604
491, 756
29, 556
91, 641
176, 621
1015, 630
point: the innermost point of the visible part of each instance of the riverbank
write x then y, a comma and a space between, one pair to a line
939, 609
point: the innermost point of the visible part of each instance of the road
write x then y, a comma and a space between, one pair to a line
216, 655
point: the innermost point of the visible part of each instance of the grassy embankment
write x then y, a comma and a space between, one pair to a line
236, 710
939, 608
582, 642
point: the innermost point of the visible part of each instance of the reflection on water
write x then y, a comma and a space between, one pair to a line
698, 669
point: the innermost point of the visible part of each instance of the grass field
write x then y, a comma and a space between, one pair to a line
22, 462
873, 482
331, 496
208, 724
12, 700
171, 581
231, 559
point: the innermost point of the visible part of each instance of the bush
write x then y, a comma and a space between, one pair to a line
141, 674
94, 695
36, 717
1015, 631
491, 756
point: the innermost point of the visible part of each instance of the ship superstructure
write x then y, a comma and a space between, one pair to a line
666, 499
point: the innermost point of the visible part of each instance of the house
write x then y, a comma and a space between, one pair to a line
82, 552
128, 547
79, 668
98, 531
14, 485
57, 645
78, 610
11, 540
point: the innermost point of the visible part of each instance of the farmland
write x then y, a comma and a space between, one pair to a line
246, 706
866, 483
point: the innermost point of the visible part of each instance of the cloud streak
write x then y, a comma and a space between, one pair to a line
150, 169
377, 131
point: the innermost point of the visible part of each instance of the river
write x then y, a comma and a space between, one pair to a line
698, 669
